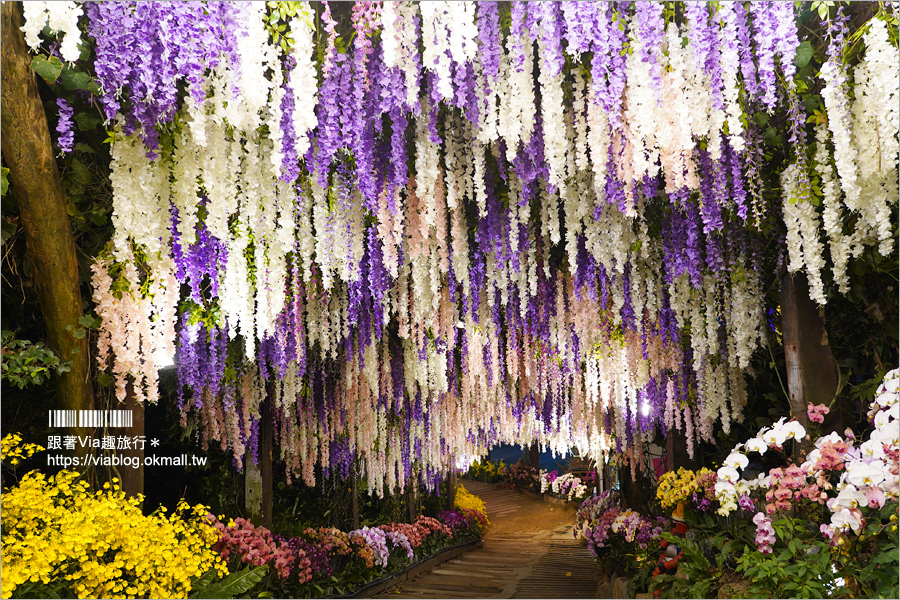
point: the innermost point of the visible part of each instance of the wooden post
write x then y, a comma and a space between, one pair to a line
354, 493
812, 375
252, 489
132, 479
601, 473
265, 457
28, 152
451, 485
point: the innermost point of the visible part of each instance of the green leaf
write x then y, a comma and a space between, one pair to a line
8, 229
82, 147
75, 80
80, 333
49, 68
86, 122
4, 179
80, 172
205, 579
234, 585
804, 54
86, 320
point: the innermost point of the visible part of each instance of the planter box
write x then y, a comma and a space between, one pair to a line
379, 585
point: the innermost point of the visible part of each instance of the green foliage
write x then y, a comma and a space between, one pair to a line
27, 363
280, 16
868, 561
698, 576
48, 67
233, 586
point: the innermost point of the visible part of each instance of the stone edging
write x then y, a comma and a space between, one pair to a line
379, 585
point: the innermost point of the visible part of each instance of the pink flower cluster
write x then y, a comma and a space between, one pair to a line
816, 413
256, 546
832, 455
418, 531
597, 533
790, 484
765, 533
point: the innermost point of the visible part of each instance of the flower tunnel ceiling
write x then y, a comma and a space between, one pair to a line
468, 223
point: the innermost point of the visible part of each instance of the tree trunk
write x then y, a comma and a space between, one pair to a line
811, 369
265, 456
28, 153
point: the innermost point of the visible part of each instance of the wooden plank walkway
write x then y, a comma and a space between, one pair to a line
528, 552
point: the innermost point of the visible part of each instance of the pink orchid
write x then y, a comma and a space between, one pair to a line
817, 413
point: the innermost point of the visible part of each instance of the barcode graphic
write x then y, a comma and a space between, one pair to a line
90, 418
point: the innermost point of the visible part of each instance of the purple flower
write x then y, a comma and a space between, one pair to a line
144, 50
64, 126
705, 43
489, 42
738, 26
648, 28
548, 20
608, 63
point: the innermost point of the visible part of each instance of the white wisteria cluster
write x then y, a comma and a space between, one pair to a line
58, 17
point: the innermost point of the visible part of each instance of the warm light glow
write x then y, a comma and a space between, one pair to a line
163, 359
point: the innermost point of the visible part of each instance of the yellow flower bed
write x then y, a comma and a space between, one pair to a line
13, 451
677, 486
466, 500
59, 534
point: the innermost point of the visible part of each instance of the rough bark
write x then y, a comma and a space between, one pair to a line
28, 152
812, 375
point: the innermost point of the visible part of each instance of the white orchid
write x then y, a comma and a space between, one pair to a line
737, 460
862, 474
775, 436
728, 474
794, 430
756, 445
832, 437
872, 448
847, 519
850, 497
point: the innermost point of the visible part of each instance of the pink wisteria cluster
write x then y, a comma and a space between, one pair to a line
449, 233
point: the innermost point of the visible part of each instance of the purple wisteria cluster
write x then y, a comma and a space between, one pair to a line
144, 50
64, 126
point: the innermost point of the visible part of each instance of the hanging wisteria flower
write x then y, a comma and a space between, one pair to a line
57, 17
64, 126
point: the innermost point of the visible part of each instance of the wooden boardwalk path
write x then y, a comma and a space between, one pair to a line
528, 552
